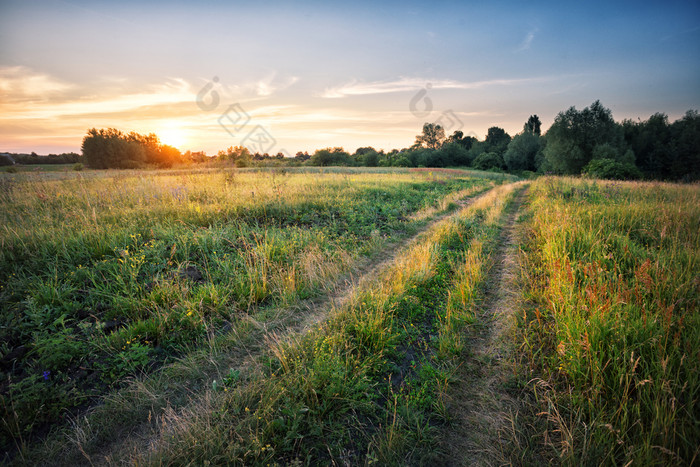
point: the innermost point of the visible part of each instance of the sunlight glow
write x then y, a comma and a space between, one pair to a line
172, 136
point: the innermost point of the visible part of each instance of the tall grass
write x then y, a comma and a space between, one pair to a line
107, 276
614, 332
366, 385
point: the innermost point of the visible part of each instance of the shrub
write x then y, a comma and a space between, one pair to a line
6, 160
611, 169
489, 161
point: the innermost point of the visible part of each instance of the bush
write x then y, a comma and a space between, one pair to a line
402, 162
489, 161
611, 169
78, 167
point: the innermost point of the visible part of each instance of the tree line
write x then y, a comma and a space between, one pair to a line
8, 158
587, 141
111, 148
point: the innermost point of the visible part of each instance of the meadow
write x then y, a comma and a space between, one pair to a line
105, 276
321, 316
612, 330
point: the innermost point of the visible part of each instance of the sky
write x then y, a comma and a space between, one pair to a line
282, 76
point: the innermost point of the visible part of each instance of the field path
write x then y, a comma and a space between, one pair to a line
478, 402
307, 314
370, 269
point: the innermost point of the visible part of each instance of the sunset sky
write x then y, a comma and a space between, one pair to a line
316, 74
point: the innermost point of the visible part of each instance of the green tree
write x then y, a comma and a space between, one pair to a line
522, 152
612, 170
533, 125
432, 137
239, 156
110, 148
686, 148
489, 161
574, 134
496, 140
453, 153
465, 141
330, 156
366, 157
651, 142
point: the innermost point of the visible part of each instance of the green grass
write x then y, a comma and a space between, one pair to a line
37, 168
614, 330
108, 276
367, 385
177, 317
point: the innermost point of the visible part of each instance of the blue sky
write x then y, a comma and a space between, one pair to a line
316, 74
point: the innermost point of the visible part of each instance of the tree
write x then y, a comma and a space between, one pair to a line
432, 137
533, 125
489, 161
453, 153
496, 140
651, 143
366, 157
612, 170
686, 147
330, 156
239, 156
522, 151
574, 134
111, 148
608, 151
465, 141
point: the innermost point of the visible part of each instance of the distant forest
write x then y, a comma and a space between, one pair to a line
587, 141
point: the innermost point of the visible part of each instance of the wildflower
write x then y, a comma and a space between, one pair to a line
47, 374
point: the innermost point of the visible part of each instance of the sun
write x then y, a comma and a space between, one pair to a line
172, 136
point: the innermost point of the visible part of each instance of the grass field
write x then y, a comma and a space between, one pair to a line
321, 316
110, 276
613, 333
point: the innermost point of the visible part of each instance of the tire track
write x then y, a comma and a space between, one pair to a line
479, 403
291, 323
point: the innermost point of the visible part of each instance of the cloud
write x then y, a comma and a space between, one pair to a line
269, 85
527, 41
21, 84
678, 34
172, 92
356, 88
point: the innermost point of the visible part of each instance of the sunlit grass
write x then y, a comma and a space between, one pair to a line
615, 330
368, 384
110, 275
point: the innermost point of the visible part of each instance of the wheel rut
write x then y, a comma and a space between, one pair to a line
303, 316
480, 406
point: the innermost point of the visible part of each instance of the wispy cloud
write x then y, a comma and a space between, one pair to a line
29, 95
357, 88
21, 84
527, 41
680, 33
174, 91
271, 84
